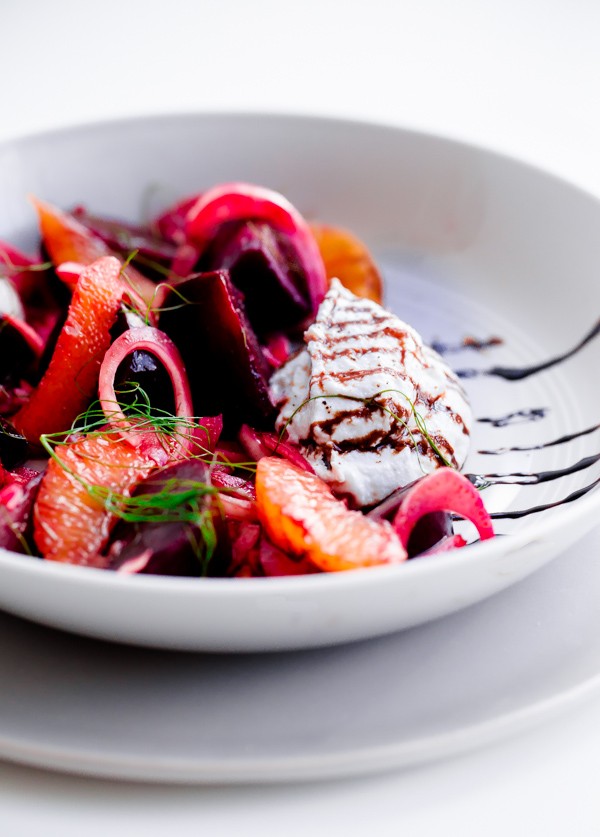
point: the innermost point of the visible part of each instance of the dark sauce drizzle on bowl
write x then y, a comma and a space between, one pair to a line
553, 443
519, 373
525, 416
518, 417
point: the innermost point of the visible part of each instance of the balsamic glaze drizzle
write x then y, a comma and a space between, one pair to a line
473, 343
515, 515
560, 441
481, 480
518, 374
519, 417
528, 415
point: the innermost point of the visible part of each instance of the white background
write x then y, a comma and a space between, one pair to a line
520, 76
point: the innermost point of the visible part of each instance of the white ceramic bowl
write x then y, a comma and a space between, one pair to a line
471, 243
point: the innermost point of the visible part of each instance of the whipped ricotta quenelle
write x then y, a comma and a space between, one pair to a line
368, 443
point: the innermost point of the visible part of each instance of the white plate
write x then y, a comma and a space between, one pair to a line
493, 669
472, 244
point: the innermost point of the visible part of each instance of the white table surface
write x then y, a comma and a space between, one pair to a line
520, 76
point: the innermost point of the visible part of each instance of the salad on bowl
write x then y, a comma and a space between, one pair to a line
220, 392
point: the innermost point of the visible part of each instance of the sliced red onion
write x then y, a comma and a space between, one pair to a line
238, 509
275, 562
221, 478
208, 432
11, 257
13, 398
287, 451
251, 440
23, 475
246, 540
16, 502
37, 300
21, 350
137, 564
230, 453
445, 545
442, 490
277, 350
11, 495
244, 201
259, 444
69, 272
29, 335
157, 343
185, 260
171, 223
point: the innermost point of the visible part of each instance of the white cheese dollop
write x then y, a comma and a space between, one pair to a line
366, 449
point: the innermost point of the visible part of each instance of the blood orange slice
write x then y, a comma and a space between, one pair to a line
71, 520
302, 516
348, 259
70, 381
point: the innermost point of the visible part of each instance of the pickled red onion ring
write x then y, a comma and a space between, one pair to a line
259, 444
445, 545
442, 490
162, 347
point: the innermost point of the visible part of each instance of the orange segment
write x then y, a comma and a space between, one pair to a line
70, 525
67, 240
301, 515
348, 259
71, 379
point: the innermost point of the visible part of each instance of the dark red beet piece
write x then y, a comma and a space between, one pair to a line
227, 371
14, 448
264, 267
20, 350
157, 549
168, 548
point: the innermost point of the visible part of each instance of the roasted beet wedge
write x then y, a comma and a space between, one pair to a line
13, 447
173, 547
20, 351
264, 267
205, 317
